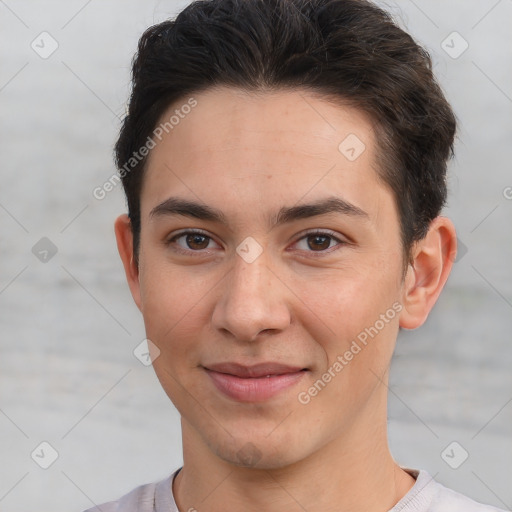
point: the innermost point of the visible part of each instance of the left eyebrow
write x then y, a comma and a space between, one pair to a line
287, 214
330, 204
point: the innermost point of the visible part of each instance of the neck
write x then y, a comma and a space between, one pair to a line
353, 472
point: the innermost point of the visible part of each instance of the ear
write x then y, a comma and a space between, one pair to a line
432, 261
124, 237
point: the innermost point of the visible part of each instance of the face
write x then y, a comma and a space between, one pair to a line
269, 246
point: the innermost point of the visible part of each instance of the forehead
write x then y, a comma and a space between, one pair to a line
227, 118
261, 148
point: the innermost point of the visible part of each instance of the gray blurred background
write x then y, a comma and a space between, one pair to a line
68, 375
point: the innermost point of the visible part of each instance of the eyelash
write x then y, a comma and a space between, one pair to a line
316, 254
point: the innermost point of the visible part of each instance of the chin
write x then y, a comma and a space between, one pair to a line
257, 451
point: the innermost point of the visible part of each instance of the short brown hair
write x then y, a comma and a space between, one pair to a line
350, 50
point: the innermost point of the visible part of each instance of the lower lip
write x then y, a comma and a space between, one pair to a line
253, 389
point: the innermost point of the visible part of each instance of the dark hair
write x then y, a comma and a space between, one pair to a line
348, 51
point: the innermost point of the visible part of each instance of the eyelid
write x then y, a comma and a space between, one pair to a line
190, 231
318, 231
321, 232
299, 236
187, 231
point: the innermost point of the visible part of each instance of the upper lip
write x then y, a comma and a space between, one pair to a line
257, 370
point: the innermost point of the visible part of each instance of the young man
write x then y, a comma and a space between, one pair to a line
284, 164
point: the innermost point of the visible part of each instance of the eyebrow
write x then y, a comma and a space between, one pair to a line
287, 214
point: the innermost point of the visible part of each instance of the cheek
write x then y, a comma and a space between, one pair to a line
347, 301
358, 344
177, 309
171, 303
174, 316
362, 318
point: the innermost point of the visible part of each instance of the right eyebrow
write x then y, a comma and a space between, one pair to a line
187, 208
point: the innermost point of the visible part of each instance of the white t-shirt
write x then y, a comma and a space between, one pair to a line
426, 495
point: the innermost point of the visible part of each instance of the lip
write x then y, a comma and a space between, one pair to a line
255, 383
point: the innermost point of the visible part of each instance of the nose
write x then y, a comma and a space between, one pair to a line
253, 300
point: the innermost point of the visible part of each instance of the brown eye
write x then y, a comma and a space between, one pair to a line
196, 241
190, 242
319, 242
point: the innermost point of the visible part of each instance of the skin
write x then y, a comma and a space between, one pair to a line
301, 302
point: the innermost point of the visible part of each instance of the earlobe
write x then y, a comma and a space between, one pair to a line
124, 238
432, 261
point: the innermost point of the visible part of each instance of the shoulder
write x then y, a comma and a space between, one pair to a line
144, 498
448, 500
427, 495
